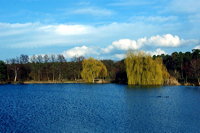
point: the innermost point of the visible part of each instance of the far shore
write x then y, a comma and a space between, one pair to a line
51, 82
80, 81
54, 82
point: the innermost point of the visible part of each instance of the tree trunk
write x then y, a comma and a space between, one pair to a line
34, 75
47, 73
182, 71
186, 79
8, 76
53, 76
15, 79
59, 76
47, 76
38, 75
35, 72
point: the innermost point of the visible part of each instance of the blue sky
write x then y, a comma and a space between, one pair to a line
103, 29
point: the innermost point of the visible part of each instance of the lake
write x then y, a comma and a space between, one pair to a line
52, 108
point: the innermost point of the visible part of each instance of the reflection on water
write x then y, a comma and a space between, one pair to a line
99, 108
144, 87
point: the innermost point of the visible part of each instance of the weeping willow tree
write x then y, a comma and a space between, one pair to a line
143, 70
92, 69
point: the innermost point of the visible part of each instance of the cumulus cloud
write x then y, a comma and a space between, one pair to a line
87, 40
89, 51
79, 51
125, 44
167, 40
36, 35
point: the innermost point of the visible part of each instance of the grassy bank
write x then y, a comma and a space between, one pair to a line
54, 82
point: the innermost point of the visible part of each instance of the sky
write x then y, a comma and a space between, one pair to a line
104, 29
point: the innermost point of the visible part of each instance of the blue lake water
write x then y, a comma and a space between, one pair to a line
52, 108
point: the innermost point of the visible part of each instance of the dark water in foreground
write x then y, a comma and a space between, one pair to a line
52, 108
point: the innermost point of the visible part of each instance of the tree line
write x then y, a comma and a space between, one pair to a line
185, 67
41, 68
53, 68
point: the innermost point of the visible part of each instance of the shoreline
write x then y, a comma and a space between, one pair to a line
55, 82
80, 82
50, 82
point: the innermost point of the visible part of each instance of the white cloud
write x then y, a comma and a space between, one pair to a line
154, 19
8, 29
67, 29
119, 56
107, 49
17, 25
37, 35
71, 29
89, 51
125, 44
80, 51
167, 40
197, 47
156, 52
93, 11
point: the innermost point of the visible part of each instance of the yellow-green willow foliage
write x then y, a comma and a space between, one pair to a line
143, 70
92, 69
